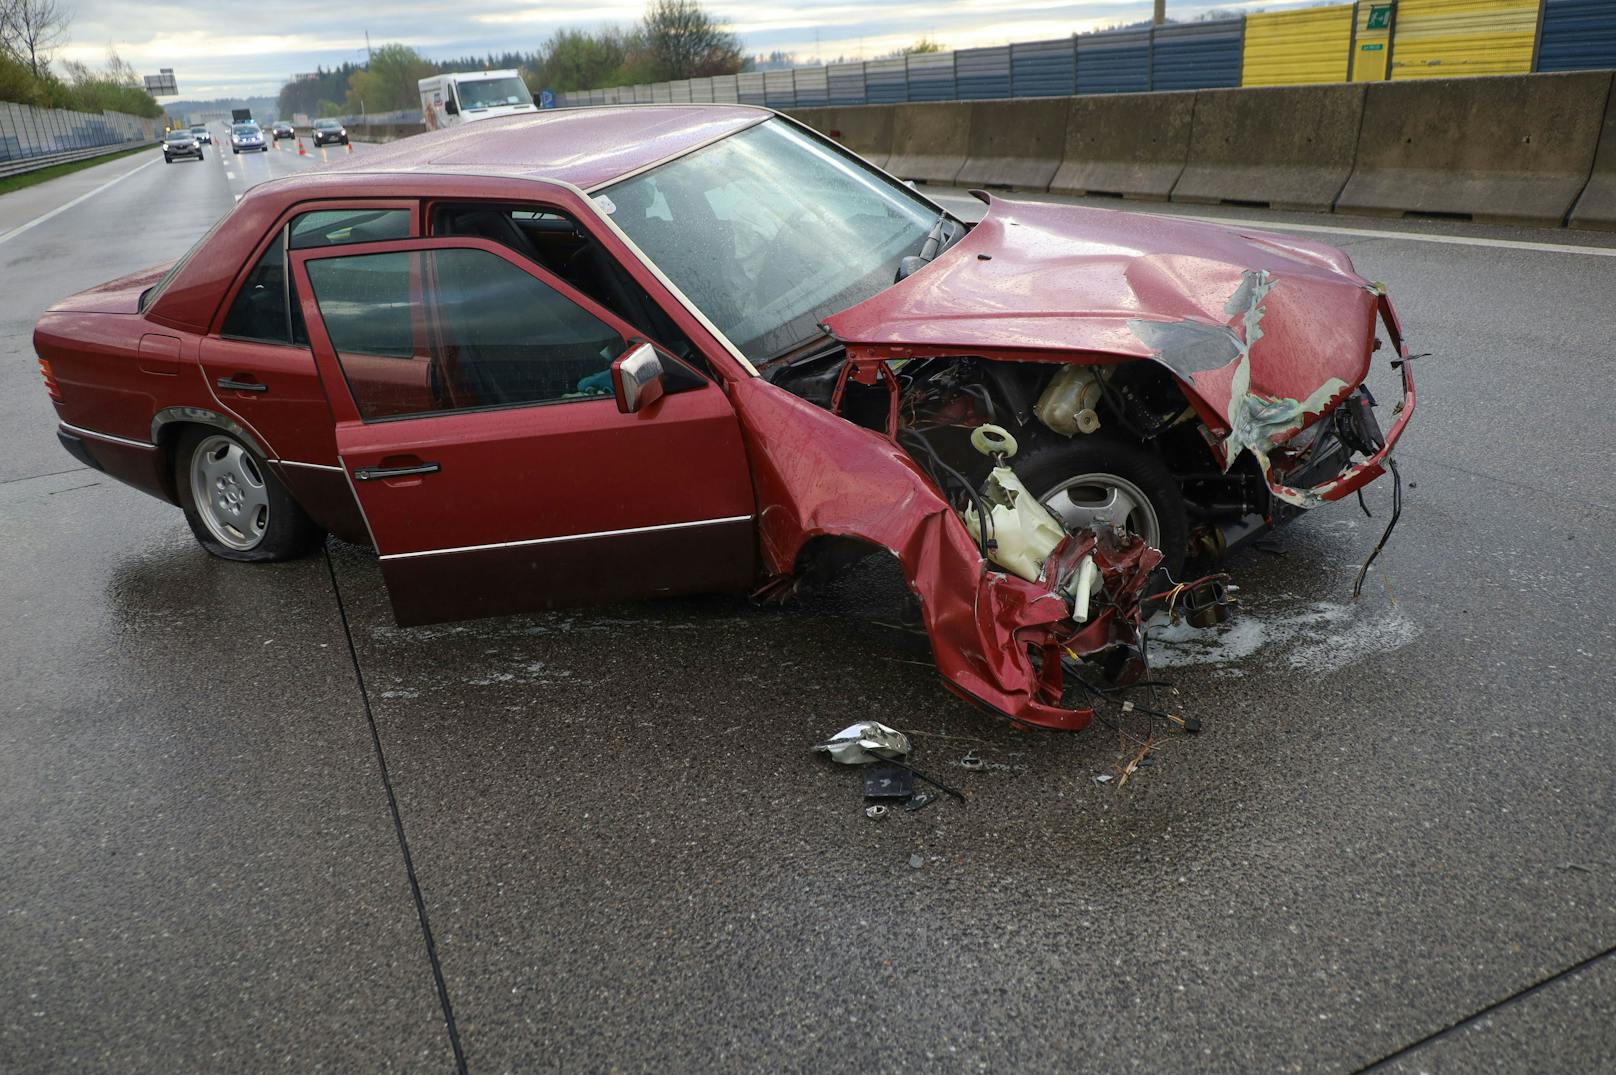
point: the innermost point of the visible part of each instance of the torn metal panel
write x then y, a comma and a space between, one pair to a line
1049, 282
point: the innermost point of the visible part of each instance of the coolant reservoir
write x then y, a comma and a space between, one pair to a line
1070, 402
1022, 530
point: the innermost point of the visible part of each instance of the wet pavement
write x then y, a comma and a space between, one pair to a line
1395, 823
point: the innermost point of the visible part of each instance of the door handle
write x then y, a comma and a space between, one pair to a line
234, 385
370, 474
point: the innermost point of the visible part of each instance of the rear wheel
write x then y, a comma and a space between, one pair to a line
235, 505
1093, 479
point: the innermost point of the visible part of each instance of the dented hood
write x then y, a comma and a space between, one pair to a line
1264, 330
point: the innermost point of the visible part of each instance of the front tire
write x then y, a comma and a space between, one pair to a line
1094, 477
236, 507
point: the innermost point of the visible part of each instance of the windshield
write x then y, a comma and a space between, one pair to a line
326, 124
179, 136
246, 128
198, 130
492, 93
769, 231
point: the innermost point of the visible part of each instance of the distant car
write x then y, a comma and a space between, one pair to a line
281, 129
247, 136
181, 144
202, 135
330, 132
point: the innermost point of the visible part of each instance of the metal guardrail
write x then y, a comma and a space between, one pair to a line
34, 164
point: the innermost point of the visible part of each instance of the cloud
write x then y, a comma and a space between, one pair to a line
233, 47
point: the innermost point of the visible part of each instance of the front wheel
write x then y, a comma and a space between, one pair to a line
1094, 479
236, 507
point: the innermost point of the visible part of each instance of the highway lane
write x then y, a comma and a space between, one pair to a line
1397, 816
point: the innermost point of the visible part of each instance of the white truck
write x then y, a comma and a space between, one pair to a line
467, 96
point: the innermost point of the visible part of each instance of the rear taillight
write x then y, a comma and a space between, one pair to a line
51, 386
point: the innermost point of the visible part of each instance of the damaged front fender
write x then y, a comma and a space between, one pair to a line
997, 639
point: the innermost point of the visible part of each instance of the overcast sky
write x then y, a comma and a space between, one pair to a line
223, 48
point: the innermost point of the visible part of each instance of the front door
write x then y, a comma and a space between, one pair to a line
475, 419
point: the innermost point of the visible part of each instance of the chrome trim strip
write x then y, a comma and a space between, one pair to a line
571, 537
311, 466
106, 437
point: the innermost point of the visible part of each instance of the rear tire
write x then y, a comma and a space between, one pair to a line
236, 507
1094, 475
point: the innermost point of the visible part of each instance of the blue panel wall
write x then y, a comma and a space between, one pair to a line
780, 89
1117, 61
846, 82
1577, 34
811, 87
1044, 68
982, 74
931, 76
1197, 55
886, 81
749, 87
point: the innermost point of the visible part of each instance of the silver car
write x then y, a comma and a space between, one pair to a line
245, 137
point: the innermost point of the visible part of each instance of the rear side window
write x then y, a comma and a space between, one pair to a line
431, 331
266, 308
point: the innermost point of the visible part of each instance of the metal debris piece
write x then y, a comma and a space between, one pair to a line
865, 742
916, 861
1103, 778
919, 801
876, 812
972, 762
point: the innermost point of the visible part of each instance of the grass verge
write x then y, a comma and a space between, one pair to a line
28, 179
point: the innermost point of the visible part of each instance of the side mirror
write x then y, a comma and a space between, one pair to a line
451, 108
637, 379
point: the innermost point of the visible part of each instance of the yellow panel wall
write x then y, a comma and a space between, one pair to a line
1371, 47
1289, 47
1447, 38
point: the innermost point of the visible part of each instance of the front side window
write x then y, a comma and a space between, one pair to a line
769, 231
428, 331
266, 308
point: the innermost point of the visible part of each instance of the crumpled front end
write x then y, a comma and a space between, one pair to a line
998, 639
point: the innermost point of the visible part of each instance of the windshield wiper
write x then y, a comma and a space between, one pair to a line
928, 250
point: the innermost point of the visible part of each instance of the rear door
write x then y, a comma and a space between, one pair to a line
475, 419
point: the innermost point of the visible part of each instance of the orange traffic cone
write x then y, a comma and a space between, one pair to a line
301, 152
349, 146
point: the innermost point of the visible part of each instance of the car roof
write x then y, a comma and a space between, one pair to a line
586, 147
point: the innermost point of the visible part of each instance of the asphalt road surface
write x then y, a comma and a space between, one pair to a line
613, 849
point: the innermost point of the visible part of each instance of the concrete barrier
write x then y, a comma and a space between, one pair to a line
1597, 206
380, 132
817, 118
929, 141
1015, 143
1288, 147
1133, 144
1516, 149
865, 129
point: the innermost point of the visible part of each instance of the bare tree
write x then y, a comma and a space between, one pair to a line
685, 42
30, 29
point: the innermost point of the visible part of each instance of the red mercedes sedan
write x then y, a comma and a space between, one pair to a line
598, 354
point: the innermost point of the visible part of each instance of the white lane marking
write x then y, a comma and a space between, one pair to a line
34, 223
1366, 233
